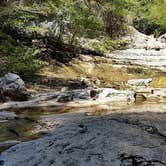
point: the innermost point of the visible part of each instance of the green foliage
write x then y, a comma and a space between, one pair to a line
120, 7
18, 59
115, 16
88, 18
74, 20
85, 22
37, 29
107, 44
104, 45
150, 17
69, 20
99, 47
21, 17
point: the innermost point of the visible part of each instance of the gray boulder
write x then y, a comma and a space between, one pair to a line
12, 87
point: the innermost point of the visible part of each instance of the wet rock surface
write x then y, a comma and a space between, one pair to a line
134, 138
12, 87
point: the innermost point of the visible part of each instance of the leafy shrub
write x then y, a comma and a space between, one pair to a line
150, 17
107, 44
18, 59
98, 47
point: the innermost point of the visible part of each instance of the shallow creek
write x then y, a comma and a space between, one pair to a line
34, 123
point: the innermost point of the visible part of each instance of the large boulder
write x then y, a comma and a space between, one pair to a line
12, 87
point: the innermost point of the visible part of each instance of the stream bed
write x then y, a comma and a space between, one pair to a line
30, 124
